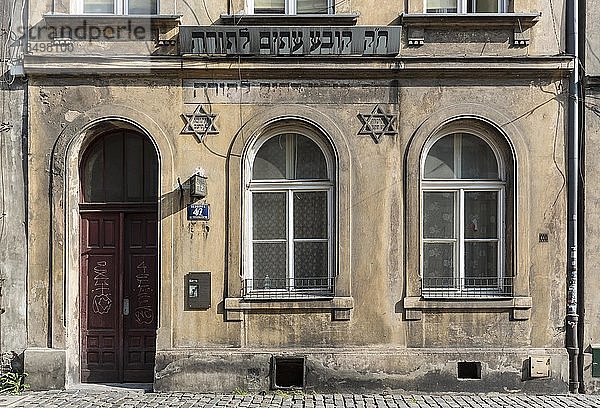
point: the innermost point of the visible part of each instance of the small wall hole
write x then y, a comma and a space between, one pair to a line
469, 370
287, 372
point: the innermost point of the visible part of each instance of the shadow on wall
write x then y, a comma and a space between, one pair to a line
178, 199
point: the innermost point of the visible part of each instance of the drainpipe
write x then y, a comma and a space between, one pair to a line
572, 318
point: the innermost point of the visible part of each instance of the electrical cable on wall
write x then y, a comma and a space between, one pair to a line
554, 25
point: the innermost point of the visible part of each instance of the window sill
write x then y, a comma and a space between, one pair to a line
340, 306
519, 23
288, 20
105, 19
483, 20
519, 306
162, 27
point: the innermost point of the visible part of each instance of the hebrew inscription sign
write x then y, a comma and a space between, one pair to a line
202, 91
290, 41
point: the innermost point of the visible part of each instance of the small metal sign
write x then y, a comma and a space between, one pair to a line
198, 212
198, 291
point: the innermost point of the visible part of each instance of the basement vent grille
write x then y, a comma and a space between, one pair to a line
469, 370
287, 372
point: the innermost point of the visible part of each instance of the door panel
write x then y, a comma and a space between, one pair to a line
119, 292
100, 289
141, 291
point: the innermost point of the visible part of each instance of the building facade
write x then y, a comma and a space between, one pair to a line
251, 195
13, 191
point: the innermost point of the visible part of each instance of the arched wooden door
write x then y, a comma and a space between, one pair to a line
119, 251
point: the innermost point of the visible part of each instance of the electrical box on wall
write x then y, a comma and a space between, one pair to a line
539, 366
197, 291
198, 187
595, 360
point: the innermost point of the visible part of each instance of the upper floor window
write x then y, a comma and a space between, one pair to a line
289, 237
466, 6
131, 7
291, 7
463, 219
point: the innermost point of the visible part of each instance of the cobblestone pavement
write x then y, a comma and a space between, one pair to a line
129, 399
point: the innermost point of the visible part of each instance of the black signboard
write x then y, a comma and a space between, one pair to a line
290, 41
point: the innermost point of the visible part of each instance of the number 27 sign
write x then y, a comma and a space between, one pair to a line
198, 212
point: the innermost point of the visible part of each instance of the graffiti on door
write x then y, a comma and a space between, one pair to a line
143, 312
101, 301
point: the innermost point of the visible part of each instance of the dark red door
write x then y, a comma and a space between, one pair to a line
118, 296
140, 295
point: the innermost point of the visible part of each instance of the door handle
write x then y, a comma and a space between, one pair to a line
126, 307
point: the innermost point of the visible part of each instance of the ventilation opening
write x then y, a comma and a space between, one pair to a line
469, 370
287, 372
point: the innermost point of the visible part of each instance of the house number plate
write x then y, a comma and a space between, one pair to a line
198, 212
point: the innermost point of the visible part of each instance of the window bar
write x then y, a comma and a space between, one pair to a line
287, 288
475, 287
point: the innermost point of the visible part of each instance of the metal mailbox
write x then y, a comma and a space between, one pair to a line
197, 291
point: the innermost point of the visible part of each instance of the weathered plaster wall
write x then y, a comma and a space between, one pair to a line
376, 269
591, 40
591, 270
13, 185
360, 370
13, 227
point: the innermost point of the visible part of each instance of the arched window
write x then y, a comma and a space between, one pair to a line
463, 208
288, 205
120, 167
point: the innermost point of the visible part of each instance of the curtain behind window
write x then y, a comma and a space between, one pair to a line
269, 6
99, 6
313, 7
442, 6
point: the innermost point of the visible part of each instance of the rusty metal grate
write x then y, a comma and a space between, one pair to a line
288, 288
477, 287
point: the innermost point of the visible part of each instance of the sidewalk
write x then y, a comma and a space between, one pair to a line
89, 398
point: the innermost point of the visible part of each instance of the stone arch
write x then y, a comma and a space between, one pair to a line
507, 136
64, 190
265, 121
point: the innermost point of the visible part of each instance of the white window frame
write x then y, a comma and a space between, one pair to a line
289, 187
461, 6
459, 187
290, 7
121, 7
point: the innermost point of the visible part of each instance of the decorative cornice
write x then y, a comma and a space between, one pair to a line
334, 67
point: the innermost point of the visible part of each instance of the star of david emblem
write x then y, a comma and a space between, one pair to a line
377, 124
200, 123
